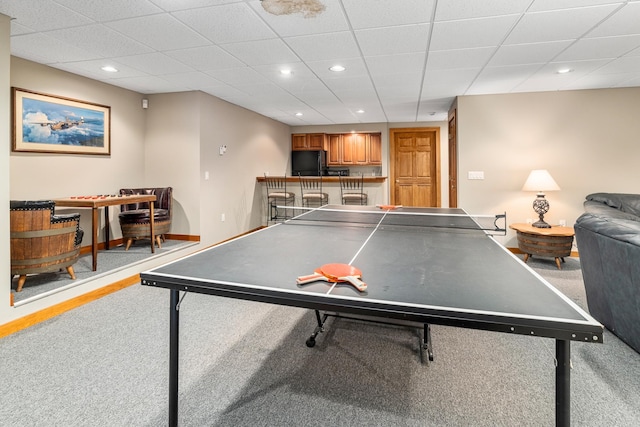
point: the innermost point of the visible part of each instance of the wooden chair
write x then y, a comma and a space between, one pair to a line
311, 191
352, 190
40, 241
277, 194
134, 218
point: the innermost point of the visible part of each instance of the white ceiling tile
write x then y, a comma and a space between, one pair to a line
603, 47
192, 80
396, 64
390, 40
331, 20
227, 23
147, 84
568, 24
451, 10
205, 58
154, 63
623, 22
262, 52
173, 5
94, 67
626, 64
471, 33
161, 32
501, 79
111, 10
300, 75
42, 15
459, 58
542, 5
17, 29
448, 83
48, 49
354, 67
238, 76
531, 53
596, 81
101, 40
317, 47
384, 13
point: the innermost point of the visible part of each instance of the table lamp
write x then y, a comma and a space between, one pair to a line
540, 180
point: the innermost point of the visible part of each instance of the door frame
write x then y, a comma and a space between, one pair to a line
392, 160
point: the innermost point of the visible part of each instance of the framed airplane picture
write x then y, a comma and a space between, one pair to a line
54, 124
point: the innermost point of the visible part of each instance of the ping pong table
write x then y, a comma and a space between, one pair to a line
423, 265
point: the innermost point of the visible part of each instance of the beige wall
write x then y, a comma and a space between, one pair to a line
588, 140
5, 144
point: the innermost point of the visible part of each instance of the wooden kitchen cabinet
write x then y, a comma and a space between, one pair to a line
334, 150
358, 149
375, 149
308, 141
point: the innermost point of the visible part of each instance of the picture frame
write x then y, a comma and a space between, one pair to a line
45, 123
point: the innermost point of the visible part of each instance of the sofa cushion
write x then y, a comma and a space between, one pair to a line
615, 228
629, 203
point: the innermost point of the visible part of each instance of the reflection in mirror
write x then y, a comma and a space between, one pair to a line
38, 286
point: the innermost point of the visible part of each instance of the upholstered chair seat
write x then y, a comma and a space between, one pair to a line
135, 217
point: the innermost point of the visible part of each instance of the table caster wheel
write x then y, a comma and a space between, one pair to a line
311, 342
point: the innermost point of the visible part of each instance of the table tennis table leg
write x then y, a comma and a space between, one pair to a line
563, 383
173, 357
311, 341
427, 343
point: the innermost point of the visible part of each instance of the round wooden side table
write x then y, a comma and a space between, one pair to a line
555, 242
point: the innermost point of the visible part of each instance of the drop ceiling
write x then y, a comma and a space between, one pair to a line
405, 60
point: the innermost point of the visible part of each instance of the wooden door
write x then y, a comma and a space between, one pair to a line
414, 155
453, 160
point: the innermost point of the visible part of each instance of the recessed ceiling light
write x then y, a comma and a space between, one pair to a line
564, 70
337, 68
286, 72
109, 69
360, 111
298, 114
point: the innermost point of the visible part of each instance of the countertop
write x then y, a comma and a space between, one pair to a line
366, 179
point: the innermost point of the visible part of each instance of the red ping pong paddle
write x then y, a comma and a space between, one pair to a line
336, 273
388, 207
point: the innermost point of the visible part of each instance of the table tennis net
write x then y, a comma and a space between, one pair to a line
403, 218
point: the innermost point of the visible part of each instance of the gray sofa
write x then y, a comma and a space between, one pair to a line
608, 239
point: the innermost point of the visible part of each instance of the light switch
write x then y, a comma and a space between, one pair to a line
206, 175
475, 175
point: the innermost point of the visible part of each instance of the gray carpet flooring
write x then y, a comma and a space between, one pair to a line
246, 364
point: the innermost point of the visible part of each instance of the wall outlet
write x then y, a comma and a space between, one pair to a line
562, 223
475, 175
529, 221
206, 175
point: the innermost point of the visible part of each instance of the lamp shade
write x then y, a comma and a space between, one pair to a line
540, 180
